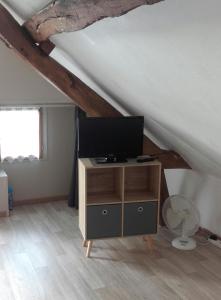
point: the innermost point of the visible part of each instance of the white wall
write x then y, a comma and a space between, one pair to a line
52, 176
204, 190
21, 84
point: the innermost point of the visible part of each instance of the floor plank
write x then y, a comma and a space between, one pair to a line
42, 258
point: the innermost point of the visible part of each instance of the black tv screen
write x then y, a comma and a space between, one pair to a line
102, 137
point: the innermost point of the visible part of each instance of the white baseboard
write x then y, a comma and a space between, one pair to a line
40, 200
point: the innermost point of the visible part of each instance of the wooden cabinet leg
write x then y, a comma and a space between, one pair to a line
89, 246
85, 243
150, 242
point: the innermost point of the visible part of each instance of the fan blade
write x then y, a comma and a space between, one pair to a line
189, 224
173, 219
178, 204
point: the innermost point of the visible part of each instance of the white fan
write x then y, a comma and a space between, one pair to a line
182, 218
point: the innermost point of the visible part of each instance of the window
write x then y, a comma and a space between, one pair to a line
20, 134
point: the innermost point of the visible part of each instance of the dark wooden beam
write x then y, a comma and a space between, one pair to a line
19, 40
72, 15
169, 159
47, 46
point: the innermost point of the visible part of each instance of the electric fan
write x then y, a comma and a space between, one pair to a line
182, 218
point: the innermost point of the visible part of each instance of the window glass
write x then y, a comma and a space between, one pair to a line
19, 133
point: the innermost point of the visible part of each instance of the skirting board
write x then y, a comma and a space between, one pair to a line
40, 200
205, 232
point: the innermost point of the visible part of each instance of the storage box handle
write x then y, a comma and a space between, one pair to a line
104, 212
140, 209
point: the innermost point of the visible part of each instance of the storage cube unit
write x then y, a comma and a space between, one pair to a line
104, 185
141, 183
117, 200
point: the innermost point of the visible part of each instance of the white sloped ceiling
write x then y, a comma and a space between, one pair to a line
161, 61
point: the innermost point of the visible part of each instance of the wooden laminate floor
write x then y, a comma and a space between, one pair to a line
41, 257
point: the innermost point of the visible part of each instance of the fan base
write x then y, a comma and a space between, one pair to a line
184, 243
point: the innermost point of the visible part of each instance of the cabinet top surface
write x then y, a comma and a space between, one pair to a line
90, 163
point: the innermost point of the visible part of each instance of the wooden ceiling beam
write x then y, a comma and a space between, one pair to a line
72, 15
47, 46
18, 39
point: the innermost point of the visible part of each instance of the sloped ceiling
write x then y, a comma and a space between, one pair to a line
163, 62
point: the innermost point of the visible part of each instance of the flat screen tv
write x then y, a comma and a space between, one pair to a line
114, 139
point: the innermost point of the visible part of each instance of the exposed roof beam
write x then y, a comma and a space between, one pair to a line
16, 38
72, 15
47, 46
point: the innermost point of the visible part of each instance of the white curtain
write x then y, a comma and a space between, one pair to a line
19, 133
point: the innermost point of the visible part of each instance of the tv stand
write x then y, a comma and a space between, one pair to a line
118, 200
110, 160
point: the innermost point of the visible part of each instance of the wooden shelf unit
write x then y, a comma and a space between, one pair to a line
117, 200
104, 185
139, 196
141, 183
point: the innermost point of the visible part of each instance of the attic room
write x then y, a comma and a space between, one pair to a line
110, 175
